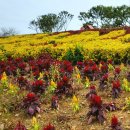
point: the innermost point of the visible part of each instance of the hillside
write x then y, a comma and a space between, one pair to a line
113, 45
75, 80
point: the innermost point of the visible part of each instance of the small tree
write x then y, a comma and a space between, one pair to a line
7, 32
34, 25
47, 23
51, 22
64, 18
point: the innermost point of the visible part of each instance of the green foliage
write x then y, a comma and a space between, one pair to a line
75, 55
51, 22
106, 16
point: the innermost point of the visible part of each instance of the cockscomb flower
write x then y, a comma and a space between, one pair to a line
105, 77
116, 88
65, 79
4, 77
96, 100
31, 104
54, 102
92, 91
96, 109
117, 70
104, 68
19, 126
38, 86
114, 121
92, 87
116, 84
115, 124
31, 96
75, 104
125, 85
49, 127
35, 124
52, 86
87, 82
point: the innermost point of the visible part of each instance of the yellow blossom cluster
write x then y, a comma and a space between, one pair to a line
94, 46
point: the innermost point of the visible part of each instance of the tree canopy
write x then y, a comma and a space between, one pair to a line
106, 16
51, 22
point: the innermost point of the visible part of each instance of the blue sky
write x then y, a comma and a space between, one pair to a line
18, 13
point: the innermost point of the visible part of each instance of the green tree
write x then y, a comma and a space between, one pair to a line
34, 25
106, 16
47, 23
51, 22
64, 18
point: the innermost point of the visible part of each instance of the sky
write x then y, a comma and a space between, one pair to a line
18, 13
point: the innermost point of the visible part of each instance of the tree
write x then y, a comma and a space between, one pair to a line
64, 18
34, 25
51, 22
106, 16
7, 32
47, 23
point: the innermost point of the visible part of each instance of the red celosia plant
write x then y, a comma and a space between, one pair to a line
31, 104
63, 87
110, 106
22, 82
103, 82
19, 126
104, 68
116, 88
49, 127
92, 91
96, 110
115, 124
38, 86
91, 71
54, 102
117, 72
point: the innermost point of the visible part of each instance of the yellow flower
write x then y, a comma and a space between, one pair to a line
34, 121
125, 82
78, 76
53, 83
4, 76
75, 100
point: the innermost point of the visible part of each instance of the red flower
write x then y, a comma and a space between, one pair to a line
65, 79
104, 67
22, 65
96, 100
109, 61
94, 68
60, 84
79, 63
19, 126
70, 68
49, 127
86, 69
31, 96
116, 84
117, 70
92, 87
105, 77
54, 98
38, 83
114, 121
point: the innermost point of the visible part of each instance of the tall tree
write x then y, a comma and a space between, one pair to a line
107, 16
34, 25
7, 32
64, 18
47, 23
51, 22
